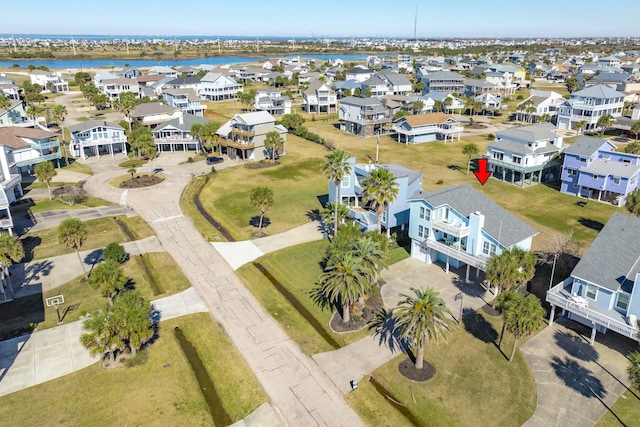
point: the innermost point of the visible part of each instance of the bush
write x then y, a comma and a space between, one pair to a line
491, 137
213, 170
140, 359
115, 252
440, 182
519, 97
190, 160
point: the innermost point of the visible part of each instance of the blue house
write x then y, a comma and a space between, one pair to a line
600, 292
593, 169
461, 227
352, 194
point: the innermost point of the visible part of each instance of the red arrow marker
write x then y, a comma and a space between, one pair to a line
482, 174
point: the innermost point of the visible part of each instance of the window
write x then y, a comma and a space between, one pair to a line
623, 301
493, 249
595, 177
423, 232
485, 248
425, 213
517, 160
346, 182
583, 160
616, 180
571, 171
498, 155
592, 291
575, 185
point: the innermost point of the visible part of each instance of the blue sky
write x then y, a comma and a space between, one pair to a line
357, 18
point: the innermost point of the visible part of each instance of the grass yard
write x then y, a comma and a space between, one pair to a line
163, 391
102, 231
626, 410
474, 384
75, 166
133, 163
49, 205
297, 269
188, 206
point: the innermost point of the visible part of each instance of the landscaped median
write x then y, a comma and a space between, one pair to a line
164, 388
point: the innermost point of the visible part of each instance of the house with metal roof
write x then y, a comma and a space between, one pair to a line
219, 87
359, 73
152, 114
363, 116
443, 81
244, 135
601, 290
622, 82
186, 100
351, 193
538, 104
461, 227
525, 153
319, 98
175, 134
397, 84
272, 101
592, 168
589, 105
96, 137
417, 128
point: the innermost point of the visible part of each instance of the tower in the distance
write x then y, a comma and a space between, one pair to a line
415, 25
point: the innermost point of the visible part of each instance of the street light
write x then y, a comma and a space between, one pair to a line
460, 297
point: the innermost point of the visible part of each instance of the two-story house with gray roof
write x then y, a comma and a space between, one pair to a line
589, 105
175, 134
461, 227
94, 137
375, 86
351, 193
443, 81
185, 100
526, 153
219, 87
319, 98
244, 135
30, 146
592, 168
601, 290
363, 116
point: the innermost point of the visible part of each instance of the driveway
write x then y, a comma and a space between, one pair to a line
576, 382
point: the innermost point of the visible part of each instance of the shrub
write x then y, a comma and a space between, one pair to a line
190, 160
115, 252
213, 170
440, 182
491, 137
519, 97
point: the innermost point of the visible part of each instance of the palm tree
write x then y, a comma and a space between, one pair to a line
197, 131
448, 101
372, 256
33, 111
604, 122
422, 318
523, 317
344, 281
59, 113
45, 173
273, 141
210, 136
102, 337
72, 233
380, 189
513, 267
635, 128
503, 303
132, 171
329, 211
417, 106
261, 198
109, 278
470, 150
437, 106
4, 102
132, 315
125, 104
11, 251
335, 168
633, 371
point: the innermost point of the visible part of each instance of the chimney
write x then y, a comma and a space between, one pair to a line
476, 224
181, 119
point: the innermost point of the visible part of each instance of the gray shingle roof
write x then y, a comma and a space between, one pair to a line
191, 80
499, 223
605, 167
511, 146
585, 146
151, 108
400, 171
90, 124
361, 102
613, 256
187, 121
598, 91
543, 131
444, 75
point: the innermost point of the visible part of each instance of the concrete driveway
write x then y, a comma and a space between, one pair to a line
576, 383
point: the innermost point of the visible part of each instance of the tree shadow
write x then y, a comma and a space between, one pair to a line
477, 325
576, 346
93, 257
25, 276
578, 378
29, 244
255, 221
589, 223
323, 199
470, 289
388, 333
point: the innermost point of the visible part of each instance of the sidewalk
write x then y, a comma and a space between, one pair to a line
42, 356
51, 219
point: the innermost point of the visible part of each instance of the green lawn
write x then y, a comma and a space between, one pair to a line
87, 202
163, 391
74, 166
474, 384
101, 231
133, 163
626, 410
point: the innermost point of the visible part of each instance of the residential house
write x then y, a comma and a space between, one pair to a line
489, 101
186, 71
527, 152
601, 292
539, 104
359, 73
154, 89
164, 70
461, 227
351, 193
10, 180
443, 81
147, 80
414, 129
622, 82
30, 146
152, 114
363, 116
592, 168
273, 102
244, 135
51, 81
405, 58
130, 73
185, 100
219, 87
397, 84
589, 105
609, 61
14, 115
8, 88
175, 134
114, 87
95, 137
190, 82
475, 87
455, 105
319, 98
375, 86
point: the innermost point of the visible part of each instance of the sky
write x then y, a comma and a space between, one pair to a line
327, 18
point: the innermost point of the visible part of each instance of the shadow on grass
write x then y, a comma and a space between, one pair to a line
589, 223
477, 325
255, 221
29, 244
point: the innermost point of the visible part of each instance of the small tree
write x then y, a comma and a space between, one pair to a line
635, 129
72, 233
633, 202
11, 251
114, 251
470, 150
523, 317
45, 173
503, 303
102, 337
580, 125
261, 198
109, 279
273, 142
604, 122
132, 315
132, 172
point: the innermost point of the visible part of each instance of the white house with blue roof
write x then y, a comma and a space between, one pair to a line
459, 227
589, 105
600, 292
351, 193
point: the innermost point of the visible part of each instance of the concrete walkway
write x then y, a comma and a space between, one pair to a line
298, 389
239, 253
42, 356
50, 219
576, 383
45, 274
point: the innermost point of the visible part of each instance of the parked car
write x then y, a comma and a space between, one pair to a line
214, 160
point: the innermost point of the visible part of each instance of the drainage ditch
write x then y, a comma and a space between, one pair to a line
393, 401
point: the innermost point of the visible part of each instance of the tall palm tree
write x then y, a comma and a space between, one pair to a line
210, 136
335, 168
261, 198
503, 303
273, 141
470, 150
197, 131
580, 125
109, 279
72, 233
380, 189
330, 209
102, 337
132, 315
633, 371
372, 255
635, 129
45, 173
59, 113
513, 267
422, 318
11, 251
33, 111
604, 122
344, 281
523, 317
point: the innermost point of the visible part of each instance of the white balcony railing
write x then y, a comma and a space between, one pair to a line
458, 253
456, 230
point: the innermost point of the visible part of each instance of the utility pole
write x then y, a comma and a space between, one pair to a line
415, 25
15, 49
126, 42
